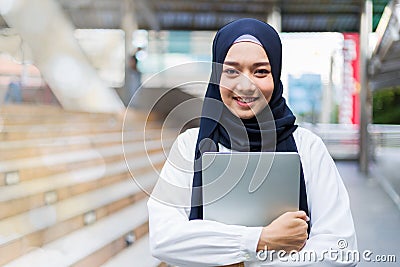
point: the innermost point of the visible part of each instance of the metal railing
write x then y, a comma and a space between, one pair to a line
342, 140
385, 135
386, 158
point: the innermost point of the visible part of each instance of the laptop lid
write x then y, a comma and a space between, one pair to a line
249, 188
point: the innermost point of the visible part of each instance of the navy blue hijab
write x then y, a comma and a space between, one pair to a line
271, 130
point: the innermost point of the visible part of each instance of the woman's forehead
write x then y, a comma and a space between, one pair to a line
246, 51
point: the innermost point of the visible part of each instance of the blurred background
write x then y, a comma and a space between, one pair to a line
91, 95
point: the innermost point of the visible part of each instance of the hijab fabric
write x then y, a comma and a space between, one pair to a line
270, 130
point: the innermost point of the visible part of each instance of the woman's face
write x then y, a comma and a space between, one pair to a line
246, 81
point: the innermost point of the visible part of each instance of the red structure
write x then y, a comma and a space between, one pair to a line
350, 104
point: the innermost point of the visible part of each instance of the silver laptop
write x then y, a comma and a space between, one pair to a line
249, 188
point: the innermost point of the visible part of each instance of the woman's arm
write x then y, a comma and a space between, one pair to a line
332, 240
332, 226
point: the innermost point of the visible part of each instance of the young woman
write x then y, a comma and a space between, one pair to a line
244, 110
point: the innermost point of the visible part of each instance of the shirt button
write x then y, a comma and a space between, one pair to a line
247, 256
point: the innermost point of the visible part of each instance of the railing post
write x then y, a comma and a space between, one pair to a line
365, 95
274, 17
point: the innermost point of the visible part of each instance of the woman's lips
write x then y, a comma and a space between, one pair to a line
245, 101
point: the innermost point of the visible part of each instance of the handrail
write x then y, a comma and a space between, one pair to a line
342, 140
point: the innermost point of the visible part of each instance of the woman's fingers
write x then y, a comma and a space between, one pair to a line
288, 232
301, 215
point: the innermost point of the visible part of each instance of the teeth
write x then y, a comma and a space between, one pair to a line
246, 100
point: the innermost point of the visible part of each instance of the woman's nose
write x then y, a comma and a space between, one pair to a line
245, 86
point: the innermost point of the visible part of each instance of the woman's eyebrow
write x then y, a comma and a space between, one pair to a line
257, 64
231, 63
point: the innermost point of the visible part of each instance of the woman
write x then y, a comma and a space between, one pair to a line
244, 111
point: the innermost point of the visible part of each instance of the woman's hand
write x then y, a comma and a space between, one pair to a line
287, 232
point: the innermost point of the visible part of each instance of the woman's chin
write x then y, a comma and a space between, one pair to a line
248, 114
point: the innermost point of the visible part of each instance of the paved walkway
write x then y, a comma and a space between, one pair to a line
376, 217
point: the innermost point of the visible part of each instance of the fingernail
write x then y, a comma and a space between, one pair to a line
307, 219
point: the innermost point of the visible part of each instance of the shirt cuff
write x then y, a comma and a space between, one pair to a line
250, 237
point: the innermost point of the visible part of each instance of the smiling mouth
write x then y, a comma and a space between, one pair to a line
245, 100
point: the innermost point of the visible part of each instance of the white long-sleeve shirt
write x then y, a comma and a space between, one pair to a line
178, 241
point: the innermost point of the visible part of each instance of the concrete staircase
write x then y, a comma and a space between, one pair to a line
71, 192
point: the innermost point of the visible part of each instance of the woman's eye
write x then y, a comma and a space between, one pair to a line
262, 72
231, 71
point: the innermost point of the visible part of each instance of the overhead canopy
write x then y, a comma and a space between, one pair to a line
296, 16
384, 66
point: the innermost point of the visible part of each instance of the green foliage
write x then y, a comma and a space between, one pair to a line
335, 114
386, 106
378, 7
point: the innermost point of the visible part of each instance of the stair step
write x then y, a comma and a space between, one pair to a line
18, 198
61, 141
42, 225
35, 131
40, 131
26, 114
19, 119
69, 199
64, 125
51, 164
82, 155
92, 245
137, 255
